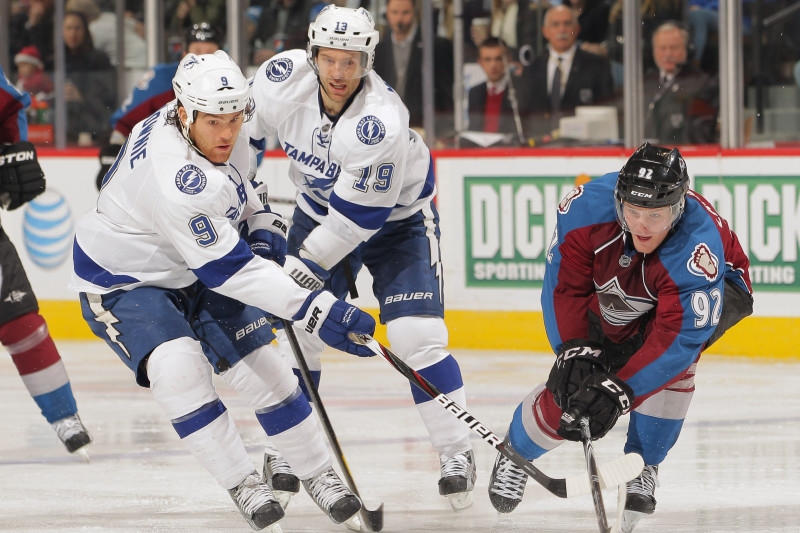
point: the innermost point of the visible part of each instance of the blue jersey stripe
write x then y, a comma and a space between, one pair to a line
87, 269
367, 217
216, 272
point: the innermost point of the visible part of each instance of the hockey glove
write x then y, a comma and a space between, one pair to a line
602, 397
577, 359
21, 177
332, 320
306, 273
261, 191
108, 155
266, 234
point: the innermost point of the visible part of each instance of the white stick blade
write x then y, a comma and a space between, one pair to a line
613, 473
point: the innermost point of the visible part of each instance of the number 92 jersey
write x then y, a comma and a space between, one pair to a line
364, 167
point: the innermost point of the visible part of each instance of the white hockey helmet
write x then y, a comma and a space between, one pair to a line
343, 28
211, 83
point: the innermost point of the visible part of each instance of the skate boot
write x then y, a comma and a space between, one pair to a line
256, 503
72, 433
507, 484
280, 478
333, 497
458, 479
640, 497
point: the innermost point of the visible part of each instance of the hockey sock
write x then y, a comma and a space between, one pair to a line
37, 360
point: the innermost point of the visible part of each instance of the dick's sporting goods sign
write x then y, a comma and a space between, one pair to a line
509, 222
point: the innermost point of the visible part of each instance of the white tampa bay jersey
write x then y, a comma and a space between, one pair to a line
167, 216
364, 168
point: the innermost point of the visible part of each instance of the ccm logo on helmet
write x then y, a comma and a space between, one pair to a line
642, 194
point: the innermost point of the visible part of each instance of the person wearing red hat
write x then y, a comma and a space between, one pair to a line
31, 76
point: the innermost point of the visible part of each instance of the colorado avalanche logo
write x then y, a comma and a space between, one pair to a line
564, 205
370, 130
190, 180
703, 263
279, 69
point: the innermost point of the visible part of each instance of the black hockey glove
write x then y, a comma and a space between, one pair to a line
602, 397
21, 177
578, 359
108, 154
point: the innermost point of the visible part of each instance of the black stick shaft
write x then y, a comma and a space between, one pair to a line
373, 520
594, 478
555, 486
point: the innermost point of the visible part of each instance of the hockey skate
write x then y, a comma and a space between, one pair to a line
507, 484
334, 498
280, 478
458, 479
257, 504
73, 434
640, 498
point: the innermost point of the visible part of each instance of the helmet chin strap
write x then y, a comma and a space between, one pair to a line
185, 132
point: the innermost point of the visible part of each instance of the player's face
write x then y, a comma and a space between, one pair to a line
202, 47
339, 74
649, 227
215, 135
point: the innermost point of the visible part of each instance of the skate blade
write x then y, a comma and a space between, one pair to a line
273, 528
629, 521
283, 497
353, 523
83, 454
460, 500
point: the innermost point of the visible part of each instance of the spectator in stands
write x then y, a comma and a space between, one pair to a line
34, 27
593, 19
282, 25
184, 14
682, 101
703, 19
490, 108
31, 77
151, 93
398, 60
103, 27
505, 23
90, 90
564, 77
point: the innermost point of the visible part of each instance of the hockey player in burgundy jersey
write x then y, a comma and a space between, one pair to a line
642, 275
23, 331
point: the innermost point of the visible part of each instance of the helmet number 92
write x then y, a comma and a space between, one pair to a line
707, 307
646, 173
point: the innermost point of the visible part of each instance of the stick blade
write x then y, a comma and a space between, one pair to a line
613, 473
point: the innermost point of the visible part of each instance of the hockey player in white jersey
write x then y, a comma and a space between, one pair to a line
177, 267
365, 188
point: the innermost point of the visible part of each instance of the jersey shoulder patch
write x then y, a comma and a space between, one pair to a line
279, 69
370, 130
190, 180
703, 262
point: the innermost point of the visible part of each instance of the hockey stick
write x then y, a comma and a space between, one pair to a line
594, 477
619, 471
373, 519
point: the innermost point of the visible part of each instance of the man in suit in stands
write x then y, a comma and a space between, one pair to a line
489, 103
565, 76
681, 100
398, 60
